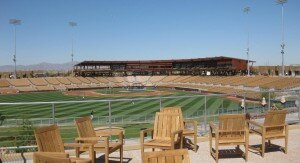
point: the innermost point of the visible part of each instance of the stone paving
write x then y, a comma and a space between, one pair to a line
203, 155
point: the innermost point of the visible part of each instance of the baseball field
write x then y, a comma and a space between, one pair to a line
129, 109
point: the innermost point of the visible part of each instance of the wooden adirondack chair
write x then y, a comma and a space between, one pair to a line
166, 134
274, 127
50, 145
45, 157
100, 139
232, 130
184, 123
169, 156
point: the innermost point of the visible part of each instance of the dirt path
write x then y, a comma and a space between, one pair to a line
93, 93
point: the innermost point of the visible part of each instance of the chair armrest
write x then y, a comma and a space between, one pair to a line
179, 132
148, 130
192, 122
77, 145
255, 123
173, 134
81, 145
213, 127
142, 134
88, 139
108, 132
282, 125
53, 154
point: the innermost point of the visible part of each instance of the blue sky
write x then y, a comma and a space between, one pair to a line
148, 29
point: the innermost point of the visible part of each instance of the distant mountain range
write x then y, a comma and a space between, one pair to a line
41, 66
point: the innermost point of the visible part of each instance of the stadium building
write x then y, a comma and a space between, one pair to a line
223, 66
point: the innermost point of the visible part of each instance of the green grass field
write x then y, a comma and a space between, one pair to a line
125, 111
190, 106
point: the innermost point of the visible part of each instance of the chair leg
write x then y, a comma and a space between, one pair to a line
286, 144
107, 155
121, 154
263, 146
217, 153
195, 142
210, 143
94, 157
286, 139
77, 152
246, 151
142, 151
33, 159
269, 142
106, 158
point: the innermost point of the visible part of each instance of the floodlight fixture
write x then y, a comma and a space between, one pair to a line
282, 2
247, 10
15, 22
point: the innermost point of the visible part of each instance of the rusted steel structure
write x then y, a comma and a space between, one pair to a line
196, 66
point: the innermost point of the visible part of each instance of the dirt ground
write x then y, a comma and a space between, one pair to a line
93, 93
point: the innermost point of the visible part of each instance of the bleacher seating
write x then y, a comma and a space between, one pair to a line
52, 81
26, 89
156, 79
71, 86
45, 88
8, 90
170, 78
74, 80
130, 79
229, 85
84, 80
92, 80
64, 81
38, 81
102, 80
142, 79
19, 82
59, 87
4, 83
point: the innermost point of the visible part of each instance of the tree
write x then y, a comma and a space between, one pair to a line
25, 136
2, 118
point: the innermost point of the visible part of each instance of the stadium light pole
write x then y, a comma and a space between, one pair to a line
247, 10
72, 24
282, 2
15, 22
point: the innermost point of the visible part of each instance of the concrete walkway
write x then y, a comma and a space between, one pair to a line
203, 155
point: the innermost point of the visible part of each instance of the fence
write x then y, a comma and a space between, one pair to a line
133, 114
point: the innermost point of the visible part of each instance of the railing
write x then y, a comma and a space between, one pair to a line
132, 114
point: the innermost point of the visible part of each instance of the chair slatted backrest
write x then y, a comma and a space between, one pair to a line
48, 139
165, 124
85, 127
177, 110
41, 158
232, 126
275, 118
168, 156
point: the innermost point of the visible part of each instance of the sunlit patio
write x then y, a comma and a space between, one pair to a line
132, 153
